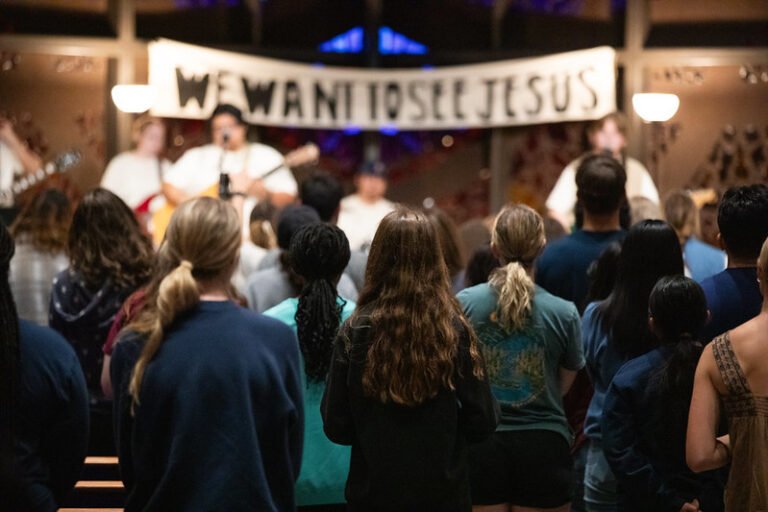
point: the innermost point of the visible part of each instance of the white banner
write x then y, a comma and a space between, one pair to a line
192, 80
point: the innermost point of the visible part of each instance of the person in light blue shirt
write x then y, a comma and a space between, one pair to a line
318, 254
701, 259
615, 330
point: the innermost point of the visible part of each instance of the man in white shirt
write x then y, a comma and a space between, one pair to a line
362, 211
15, 159
605, 135
198, 170
136, 176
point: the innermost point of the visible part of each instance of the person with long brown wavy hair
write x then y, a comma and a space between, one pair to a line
407, 386
40, 232
109, 259
532, 346
208, 394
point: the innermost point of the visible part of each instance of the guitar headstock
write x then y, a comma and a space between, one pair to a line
67, 159
307, 154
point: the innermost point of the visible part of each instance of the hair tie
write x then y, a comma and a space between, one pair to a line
186, 264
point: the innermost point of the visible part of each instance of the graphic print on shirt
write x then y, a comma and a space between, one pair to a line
514, 362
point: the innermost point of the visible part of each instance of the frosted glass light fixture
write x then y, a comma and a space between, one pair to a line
134, 98
653, 107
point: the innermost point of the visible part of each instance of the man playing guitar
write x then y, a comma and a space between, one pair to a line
15, 159
198, 170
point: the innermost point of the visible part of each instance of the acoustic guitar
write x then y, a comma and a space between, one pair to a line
304, 155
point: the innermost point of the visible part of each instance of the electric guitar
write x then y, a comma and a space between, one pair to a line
63, 162
304, 155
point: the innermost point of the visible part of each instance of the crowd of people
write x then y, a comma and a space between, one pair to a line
286, 347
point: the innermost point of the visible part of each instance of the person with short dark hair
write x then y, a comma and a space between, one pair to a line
324, 193
407, 387
733, 295
562, 268
480, 266
607, 136
646, 409
731, 383
271, 285
43, 407
198, 170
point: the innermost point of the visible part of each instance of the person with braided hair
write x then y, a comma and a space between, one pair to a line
209, 405
43, 407
318, 254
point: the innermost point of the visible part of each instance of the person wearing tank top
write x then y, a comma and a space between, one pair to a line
732, 371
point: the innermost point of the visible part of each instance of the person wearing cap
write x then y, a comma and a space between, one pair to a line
606, 135
229, 152
362, 211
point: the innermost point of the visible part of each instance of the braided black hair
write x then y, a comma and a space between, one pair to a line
318, 253
9, 361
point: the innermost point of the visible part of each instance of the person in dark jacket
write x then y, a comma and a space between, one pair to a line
109, 259
407, 387
43, 408
645, 415
208, 396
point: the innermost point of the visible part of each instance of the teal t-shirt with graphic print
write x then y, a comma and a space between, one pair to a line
524, 367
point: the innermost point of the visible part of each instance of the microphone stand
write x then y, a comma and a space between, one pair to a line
224, 188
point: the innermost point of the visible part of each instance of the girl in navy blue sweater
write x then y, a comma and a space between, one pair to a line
210, 417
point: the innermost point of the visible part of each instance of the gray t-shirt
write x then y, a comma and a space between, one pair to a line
269, 287
524, 366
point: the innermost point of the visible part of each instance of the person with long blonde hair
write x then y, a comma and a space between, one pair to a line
407, 387
532, 346
211, 413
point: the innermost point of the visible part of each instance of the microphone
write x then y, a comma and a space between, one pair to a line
224, 190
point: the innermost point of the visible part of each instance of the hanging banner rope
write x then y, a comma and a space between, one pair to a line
192, 80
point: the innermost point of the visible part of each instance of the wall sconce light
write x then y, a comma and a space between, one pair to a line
134, 98
653, 107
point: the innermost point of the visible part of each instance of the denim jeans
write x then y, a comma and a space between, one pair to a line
600, 489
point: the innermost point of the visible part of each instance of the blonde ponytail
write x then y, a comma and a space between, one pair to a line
204, 238
178, 292
518, 237
515, 288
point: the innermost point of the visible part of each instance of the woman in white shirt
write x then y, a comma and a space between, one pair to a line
136, 176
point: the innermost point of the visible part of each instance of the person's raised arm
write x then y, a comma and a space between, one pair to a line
29, 160
703, 449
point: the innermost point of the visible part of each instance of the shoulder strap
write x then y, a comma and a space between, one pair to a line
730, 370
